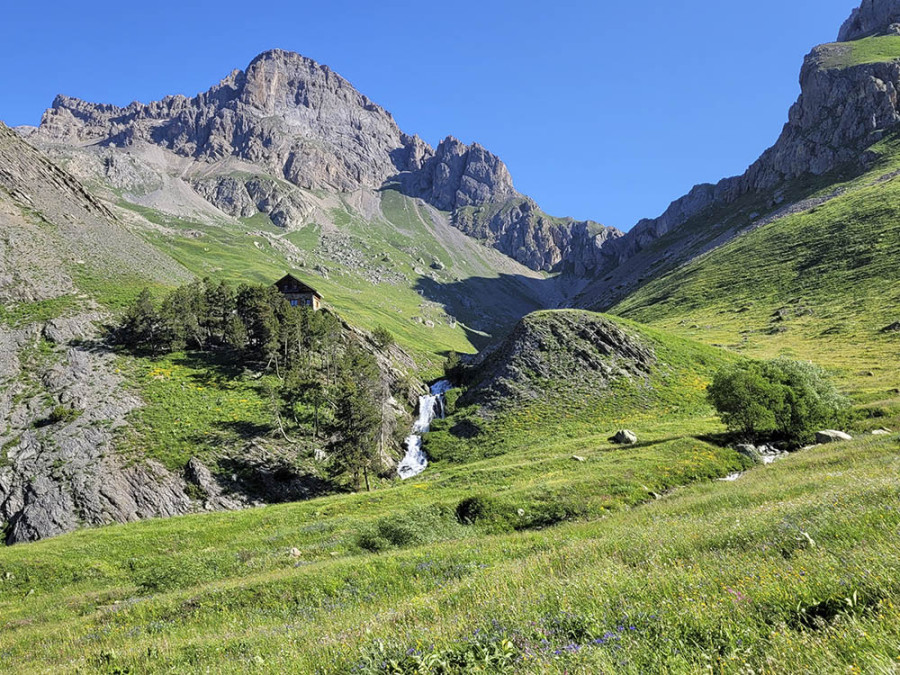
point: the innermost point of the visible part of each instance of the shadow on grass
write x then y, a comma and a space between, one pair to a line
271, 480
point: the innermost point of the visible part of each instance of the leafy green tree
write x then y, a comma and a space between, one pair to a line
785, 398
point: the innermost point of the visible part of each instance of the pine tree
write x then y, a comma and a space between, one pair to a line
357, 411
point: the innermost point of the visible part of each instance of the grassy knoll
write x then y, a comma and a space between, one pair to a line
571, 405
790, 569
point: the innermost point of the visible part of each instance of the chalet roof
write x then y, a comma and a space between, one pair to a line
290, 279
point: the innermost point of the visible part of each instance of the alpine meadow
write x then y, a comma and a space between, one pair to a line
287, 389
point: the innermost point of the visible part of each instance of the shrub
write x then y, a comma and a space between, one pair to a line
64, 414
382, 337
785, 398
417, 526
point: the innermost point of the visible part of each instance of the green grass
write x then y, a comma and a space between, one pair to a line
859, 52
195, 407
820, 285
791, 569
22, 313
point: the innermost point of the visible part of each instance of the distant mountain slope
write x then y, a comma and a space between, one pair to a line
849, 102
822, 283
293, 120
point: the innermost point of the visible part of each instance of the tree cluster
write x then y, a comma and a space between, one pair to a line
324, 386
781, 398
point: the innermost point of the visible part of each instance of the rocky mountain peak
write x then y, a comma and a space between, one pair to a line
286, 113
872, 17
460, 175
299, 121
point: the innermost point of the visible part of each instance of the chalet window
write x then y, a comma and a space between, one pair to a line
294, 303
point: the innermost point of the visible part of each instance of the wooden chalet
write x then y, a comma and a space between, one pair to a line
299, 294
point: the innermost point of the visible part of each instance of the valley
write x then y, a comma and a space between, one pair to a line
494, 447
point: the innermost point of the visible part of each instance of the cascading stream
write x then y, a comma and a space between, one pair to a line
431, 406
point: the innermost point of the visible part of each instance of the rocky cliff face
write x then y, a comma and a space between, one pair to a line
872, 17
300, 122
842, 110
297, 119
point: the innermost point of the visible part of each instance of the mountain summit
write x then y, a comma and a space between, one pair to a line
296, 120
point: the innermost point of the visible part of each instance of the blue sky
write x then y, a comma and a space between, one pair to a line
602, 110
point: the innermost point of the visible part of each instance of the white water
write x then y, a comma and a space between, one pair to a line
430, 407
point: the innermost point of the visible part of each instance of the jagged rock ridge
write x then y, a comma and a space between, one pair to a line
872, 17
301, 122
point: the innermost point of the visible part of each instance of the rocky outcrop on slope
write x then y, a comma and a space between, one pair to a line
521, 230
457, 175
243, 198
872, 17
58, 414
545, 349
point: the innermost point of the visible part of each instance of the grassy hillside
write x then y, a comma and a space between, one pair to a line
568, 385
819, 285
789, 569
868, 50
368, 268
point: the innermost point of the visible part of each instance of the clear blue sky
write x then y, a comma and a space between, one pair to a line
602, 110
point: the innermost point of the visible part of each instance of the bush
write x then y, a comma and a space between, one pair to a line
382, 337
785, 398
418, 526
64, 414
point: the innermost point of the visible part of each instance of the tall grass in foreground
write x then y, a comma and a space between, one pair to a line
793, 568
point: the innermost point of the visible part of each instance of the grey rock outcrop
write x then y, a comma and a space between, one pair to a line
457, 175
297, 119
538, 358
750, 452
832, 436
872, 17
59, 469
245, 198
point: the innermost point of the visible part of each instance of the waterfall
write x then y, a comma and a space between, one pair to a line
431, 406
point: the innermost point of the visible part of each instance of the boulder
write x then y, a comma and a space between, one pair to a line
750, 452
577, 458
893, 328
832, 436
625, 437
881, 432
